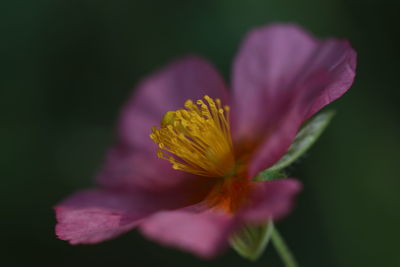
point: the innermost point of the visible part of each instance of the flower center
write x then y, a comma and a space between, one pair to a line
197, 139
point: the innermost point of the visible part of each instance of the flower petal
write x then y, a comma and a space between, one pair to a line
270, 200
269, 59
168, 89
133, 162
93, 216
130, 169
282, 76
341, 60
204, 234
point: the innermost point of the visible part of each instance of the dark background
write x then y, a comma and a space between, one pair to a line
68, 65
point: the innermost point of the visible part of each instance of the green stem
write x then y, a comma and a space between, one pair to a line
282, 249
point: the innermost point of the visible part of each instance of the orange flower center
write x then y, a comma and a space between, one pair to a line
197, 140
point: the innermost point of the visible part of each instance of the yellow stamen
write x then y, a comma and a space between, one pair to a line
197, 139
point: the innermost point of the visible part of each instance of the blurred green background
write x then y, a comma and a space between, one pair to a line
68, 65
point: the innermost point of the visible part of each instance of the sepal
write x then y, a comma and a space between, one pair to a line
251, 241
306, 137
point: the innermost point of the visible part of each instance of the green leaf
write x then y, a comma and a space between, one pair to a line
251, 241
306, 137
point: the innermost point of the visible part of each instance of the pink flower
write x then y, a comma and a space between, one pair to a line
201, 191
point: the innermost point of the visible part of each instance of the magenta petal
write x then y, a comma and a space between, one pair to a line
168, 89
204, 234
93, 216
270, 200
271, 63
133, 162
282, 75
130, 169
268, 62
340, 58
